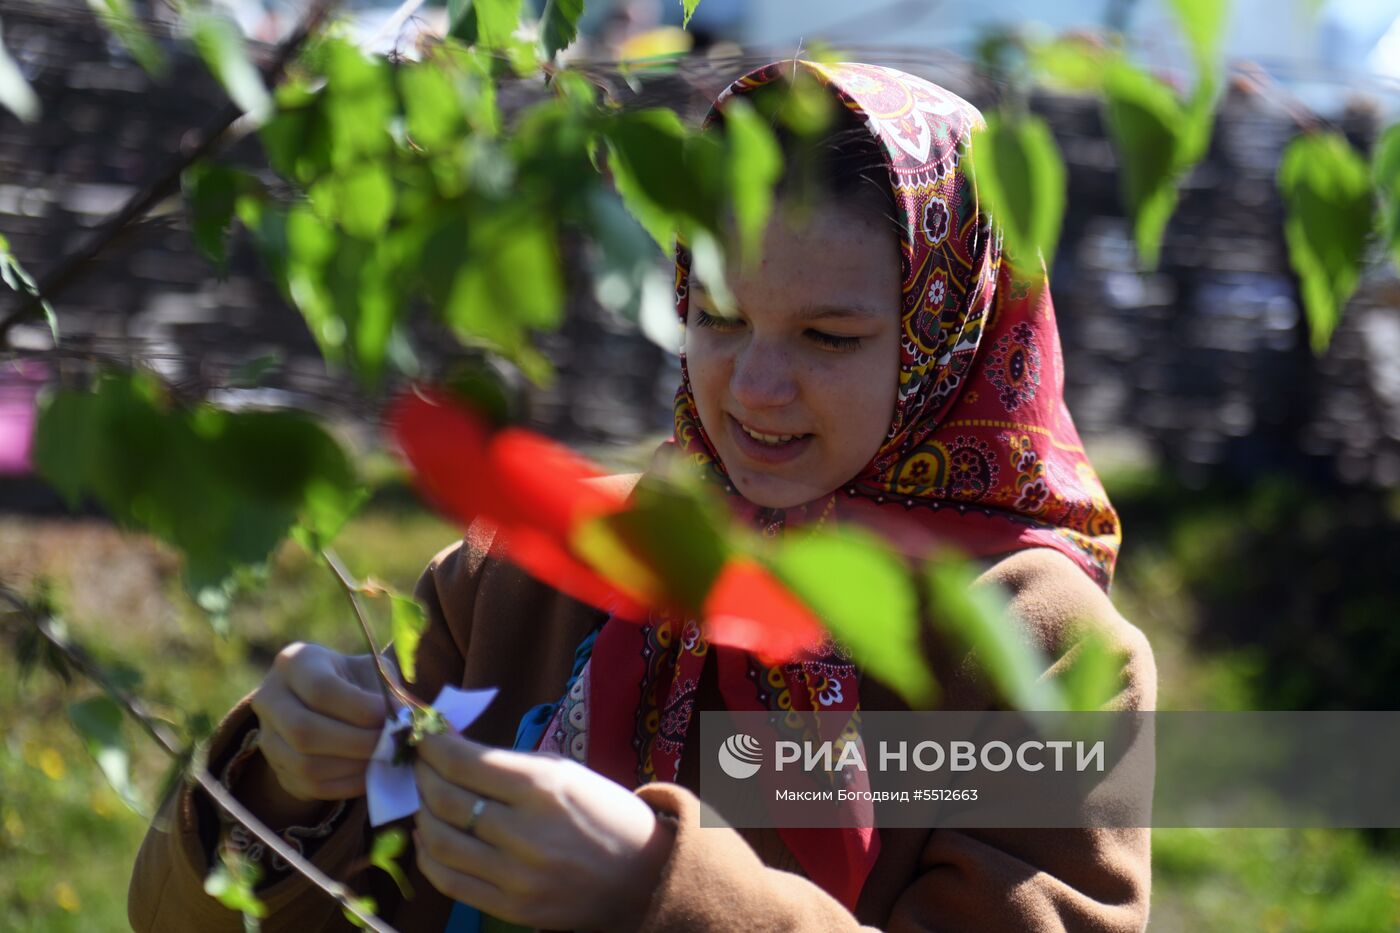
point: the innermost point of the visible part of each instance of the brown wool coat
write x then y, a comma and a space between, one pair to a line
490, 625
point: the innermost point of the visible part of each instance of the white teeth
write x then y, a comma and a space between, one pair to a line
767, 438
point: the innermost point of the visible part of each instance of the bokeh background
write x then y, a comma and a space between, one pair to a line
1259, 483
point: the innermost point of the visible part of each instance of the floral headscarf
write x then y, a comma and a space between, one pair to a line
981, 453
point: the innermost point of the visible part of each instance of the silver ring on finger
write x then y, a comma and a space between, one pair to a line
474, 817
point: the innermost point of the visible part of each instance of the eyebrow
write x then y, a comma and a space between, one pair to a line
823, 312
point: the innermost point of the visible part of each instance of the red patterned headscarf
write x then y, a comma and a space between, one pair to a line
981, 453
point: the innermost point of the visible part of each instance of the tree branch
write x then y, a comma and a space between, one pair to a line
164, 185
387, 683
170, 744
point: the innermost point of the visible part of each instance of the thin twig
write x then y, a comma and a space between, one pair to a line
395, 21
387, 683
164, 185
79, 659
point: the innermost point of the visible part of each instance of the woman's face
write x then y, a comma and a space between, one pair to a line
797, 391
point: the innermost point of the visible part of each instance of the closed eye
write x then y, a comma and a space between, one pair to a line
702, 319
833, 341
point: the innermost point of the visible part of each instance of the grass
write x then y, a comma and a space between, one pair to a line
67, 842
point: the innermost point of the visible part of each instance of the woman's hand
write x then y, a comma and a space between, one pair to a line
319, 715
552, 845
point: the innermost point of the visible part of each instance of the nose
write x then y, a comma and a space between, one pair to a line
764, 376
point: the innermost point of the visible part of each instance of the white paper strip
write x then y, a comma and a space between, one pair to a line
391, 789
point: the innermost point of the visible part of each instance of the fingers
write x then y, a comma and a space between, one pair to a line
453, 805
493, 772
460, 851
307, 732
482, 895
311, 777
321, 680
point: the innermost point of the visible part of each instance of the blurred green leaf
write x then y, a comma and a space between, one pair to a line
688, 6
681, 539
365, 905
1092, 674
646, 146
1326, 186
1074, 63
119, 19
407, 623
1203, 22
509, 282
431, 105
14, 276
977, 617
222, 487
221, 46
559, 25
755, 165
388, 846
15, 93
211, 191
486, 23
1146, 124
359, 106
366, 200
99, 723
1020, 181
1385, 172
232, 881
865, 594
297, 138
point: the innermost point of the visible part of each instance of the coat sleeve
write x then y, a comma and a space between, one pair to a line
1021, 880
166, 893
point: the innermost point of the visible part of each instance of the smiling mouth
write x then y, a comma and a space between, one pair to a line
772, 440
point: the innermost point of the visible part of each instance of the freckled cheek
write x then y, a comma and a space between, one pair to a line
709, 370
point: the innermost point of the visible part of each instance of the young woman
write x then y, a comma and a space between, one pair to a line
886, 365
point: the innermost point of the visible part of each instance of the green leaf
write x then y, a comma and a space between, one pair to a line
1326, 187
99, 723
119, 19
388, 846
678, 534
1146, 123
408, 621
688, 6
297, 138
755, 165
222, 487
365, 905
489, 24
432, 109
15, 93
559, 25
977, 618
645, 148
865, 594
366, 200
211, 191
221, 46
359, 106
1073, 63
1091, 673
1203, 22
1385, 171
510, 281
232, 882
1020, 180
14, 276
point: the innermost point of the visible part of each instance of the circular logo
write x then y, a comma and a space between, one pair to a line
740, 756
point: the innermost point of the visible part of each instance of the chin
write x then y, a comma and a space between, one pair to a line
772, 492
